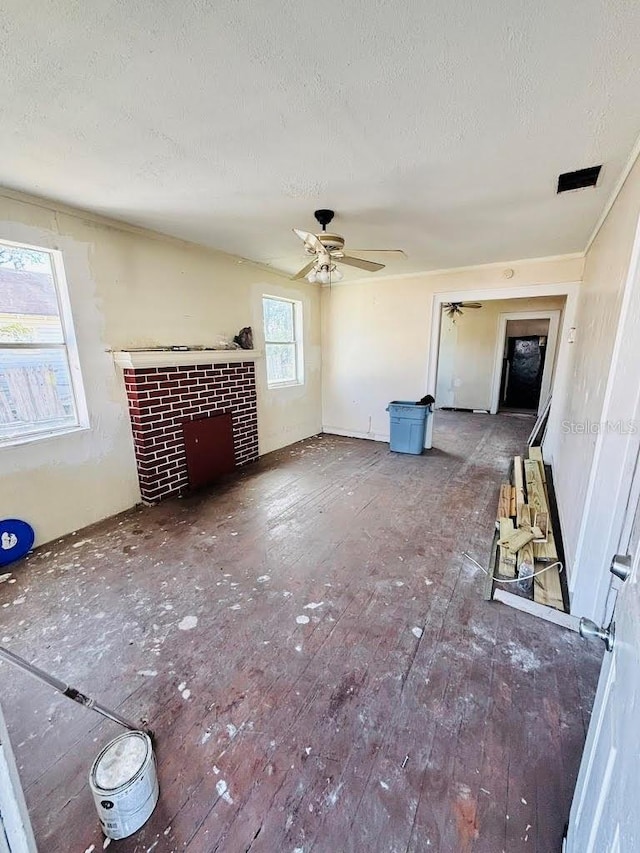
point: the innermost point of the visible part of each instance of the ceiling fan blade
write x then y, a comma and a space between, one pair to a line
380, 252
310, 240
301, 273
361, 263
471, 304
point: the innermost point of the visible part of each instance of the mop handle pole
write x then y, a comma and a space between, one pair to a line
65, 689
21, 663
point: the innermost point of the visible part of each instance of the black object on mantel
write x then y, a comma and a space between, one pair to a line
244, 338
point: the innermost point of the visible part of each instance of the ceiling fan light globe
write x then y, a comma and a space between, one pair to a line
336, 275
324, 276
312, 277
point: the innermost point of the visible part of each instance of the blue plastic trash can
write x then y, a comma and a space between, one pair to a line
408, 426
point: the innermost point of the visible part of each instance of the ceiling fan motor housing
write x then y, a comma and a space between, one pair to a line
331, 242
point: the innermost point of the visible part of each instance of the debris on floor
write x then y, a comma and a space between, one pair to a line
526, 550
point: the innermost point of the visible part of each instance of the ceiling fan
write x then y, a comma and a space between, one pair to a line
327, 249
454, 309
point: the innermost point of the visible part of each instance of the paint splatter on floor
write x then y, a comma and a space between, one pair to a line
223, 791
188, 623
417, 632
313, 605
302, 620
522, 657
332, 798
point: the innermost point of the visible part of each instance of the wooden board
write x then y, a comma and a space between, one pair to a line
545, 551
504, 502
547, 589
507, 562
518, 482
518, 540
538, 431
541, 525
535, 453
513, 510
565, 620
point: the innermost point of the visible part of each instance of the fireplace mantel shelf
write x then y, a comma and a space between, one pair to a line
136, 359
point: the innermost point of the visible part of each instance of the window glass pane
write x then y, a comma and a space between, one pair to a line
278, 320
281, 362
28, 303
35, 391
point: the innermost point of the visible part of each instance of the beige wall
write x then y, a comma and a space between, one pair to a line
133, 288
468, 350
605, 273
376, 336
526, 328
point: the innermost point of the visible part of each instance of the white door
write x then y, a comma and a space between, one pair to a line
15, 830
605, 813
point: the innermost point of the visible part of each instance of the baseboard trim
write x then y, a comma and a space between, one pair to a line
376, 436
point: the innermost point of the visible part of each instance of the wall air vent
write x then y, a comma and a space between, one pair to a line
578, 180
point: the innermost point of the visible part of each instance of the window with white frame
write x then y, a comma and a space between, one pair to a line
40, 383
283, 341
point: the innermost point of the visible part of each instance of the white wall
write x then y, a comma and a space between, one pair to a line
468, 348
598, 318
128, 288
376, 336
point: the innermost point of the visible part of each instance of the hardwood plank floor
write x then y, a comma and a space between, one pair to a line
347, 682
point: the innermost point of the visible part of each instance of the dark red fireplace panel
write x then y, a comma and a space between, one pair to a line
163, 399
209, 450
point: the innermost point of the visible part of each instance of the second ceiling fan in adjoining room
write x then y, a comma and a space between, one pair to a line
453, 310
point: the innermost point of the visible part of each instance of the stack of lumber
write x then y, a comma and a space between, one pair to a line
526, 542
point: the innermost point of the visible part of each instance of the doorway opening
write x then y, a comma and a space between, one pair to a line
524, 357
522, 373
456, 352
525, 360
499, 356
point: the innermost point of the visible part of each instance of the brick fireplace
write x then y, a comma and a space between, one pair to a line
164, 391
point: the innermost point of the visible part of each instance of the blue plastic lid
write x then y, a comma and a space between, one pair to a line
16, 540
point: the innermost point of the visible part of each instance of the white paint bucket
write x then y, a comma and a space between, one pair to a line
124, 784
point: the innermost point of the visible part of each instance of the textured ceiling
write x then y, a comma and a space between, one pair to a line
437, 126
